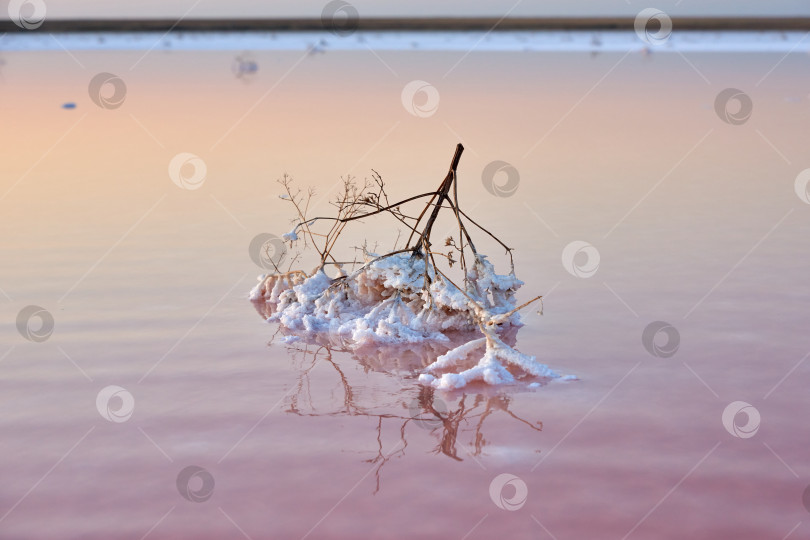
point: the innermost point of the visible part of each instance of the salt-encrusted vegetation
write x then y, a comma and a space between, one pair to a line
402, 296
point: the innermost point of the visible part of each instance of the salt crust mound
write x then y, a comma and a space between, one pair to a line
385, 302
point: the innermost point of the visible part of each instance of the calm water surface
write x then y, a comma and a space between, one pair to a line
696, 222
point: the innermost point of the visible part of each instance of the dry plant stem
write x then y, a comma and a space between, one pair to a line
286, 183
347, 211
460, 228
421, 215
507, 248
378, 211
422, 245
523, 305
351, 200
344, 205
441, 194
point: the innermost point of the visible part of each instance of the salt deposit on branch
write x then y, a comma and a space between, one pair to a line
403, 297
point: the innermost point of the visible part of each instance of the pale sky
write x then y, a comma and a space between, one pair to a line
418, 8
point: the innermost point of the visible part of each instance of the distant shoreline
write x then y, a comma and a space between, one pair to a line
441, 24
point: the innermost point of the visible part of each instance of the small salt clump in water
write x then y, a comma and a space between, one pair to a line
403, 296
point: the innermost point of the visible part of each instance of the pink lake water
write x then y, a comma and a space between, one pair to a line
697, 222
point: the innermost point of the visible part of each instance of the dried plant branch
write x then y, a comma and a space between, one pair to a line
402, 294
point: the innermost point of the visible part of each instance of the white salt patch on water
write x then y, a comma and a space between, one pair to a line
322, 42
385, 302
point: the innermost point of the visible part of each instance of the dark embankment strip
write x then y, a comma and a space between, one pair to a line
447, 24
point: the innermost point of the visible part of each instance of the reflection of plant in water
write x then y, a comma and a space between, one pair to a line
444, 421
